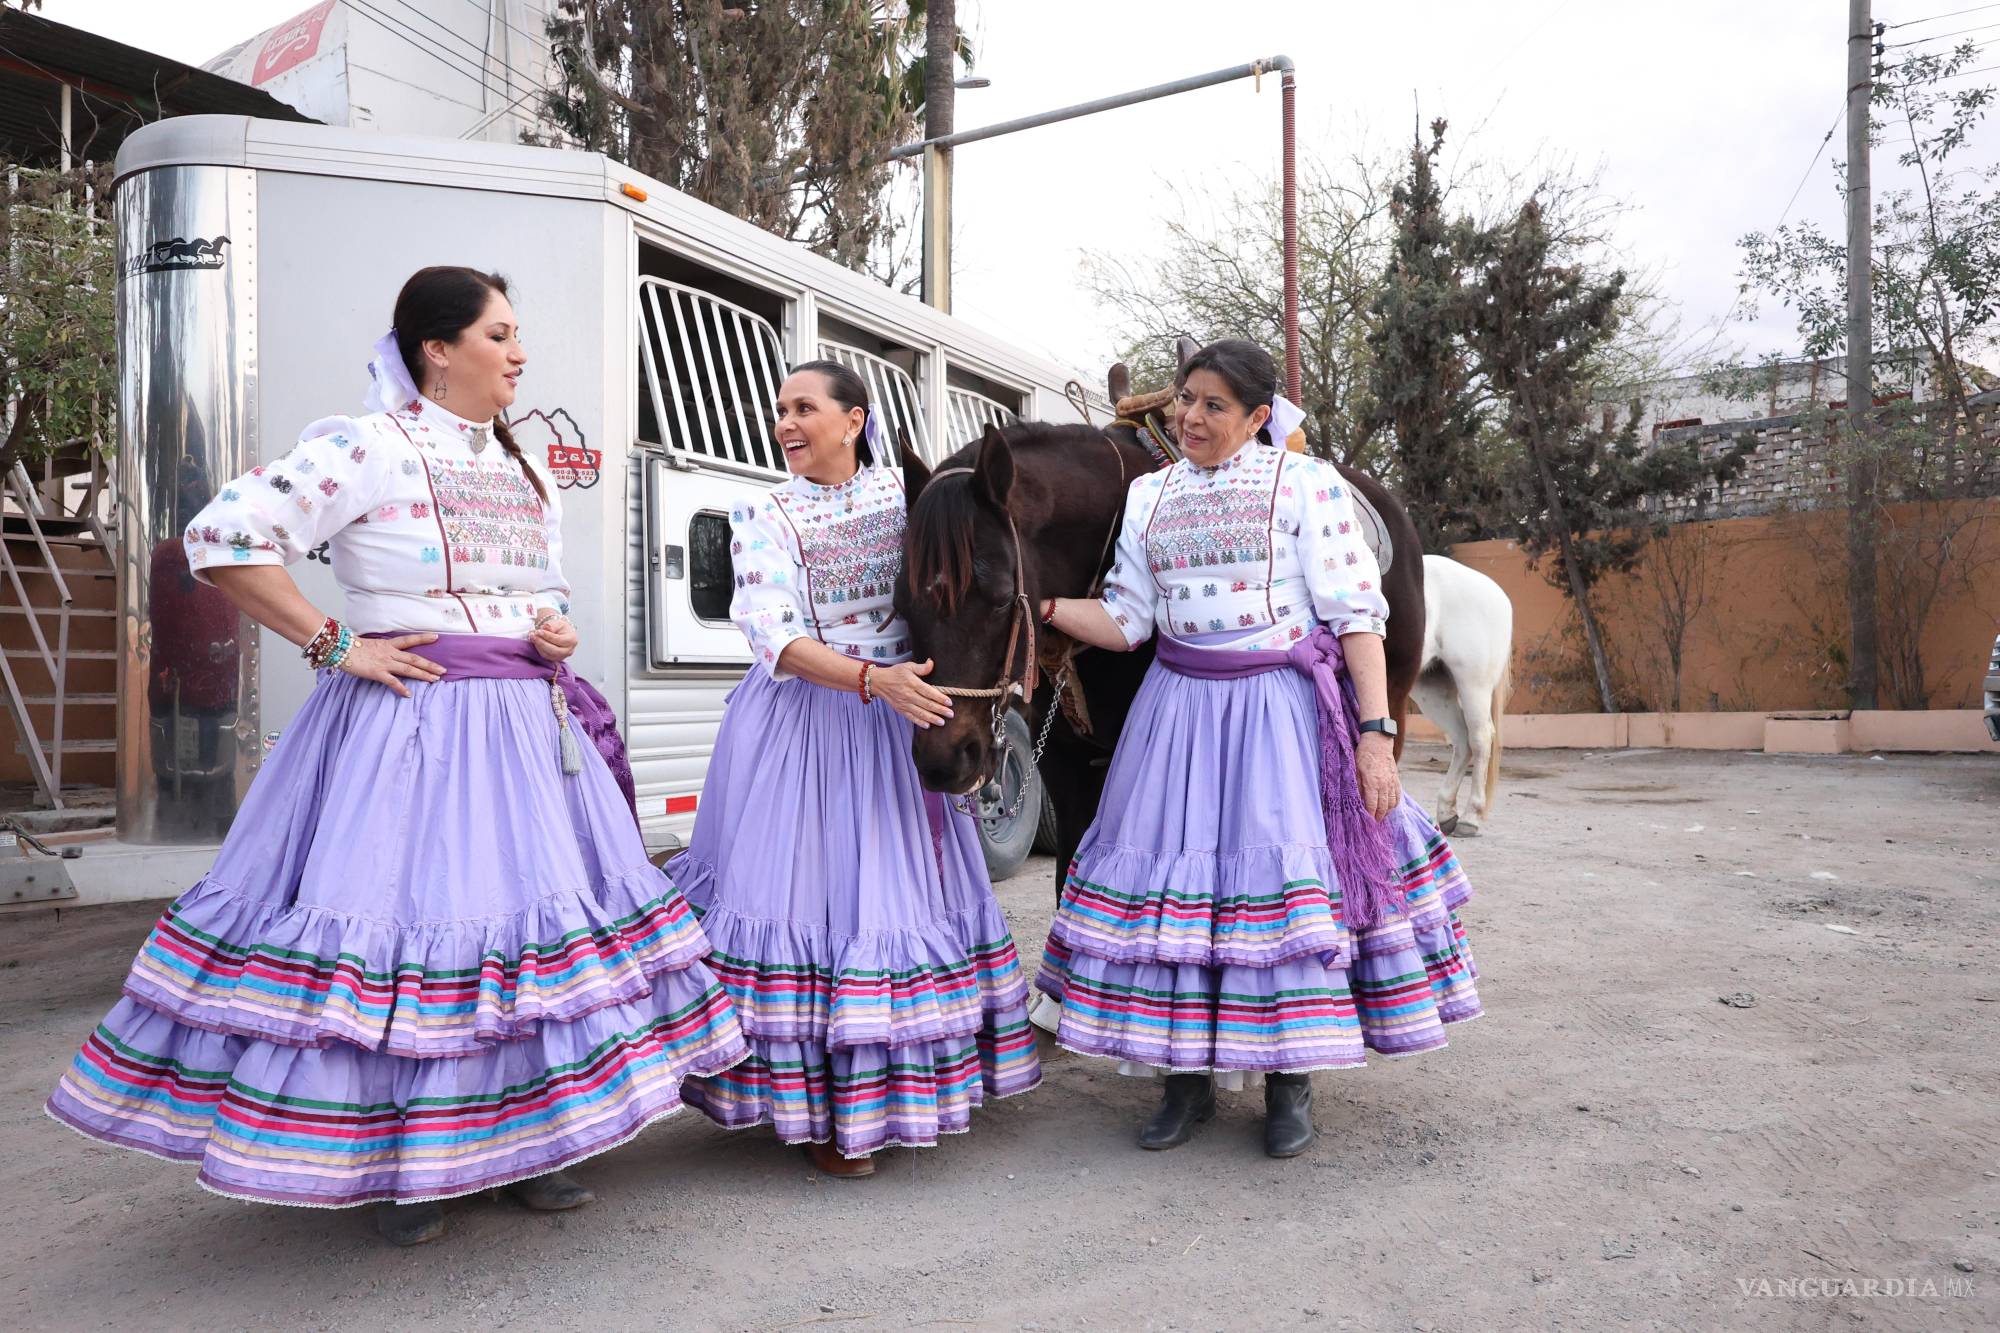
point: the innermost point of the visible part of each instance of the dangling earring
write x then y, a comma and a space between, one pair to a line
847, 443
438, 393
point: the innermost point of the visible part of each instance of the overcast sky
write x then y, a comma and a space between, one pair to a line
1703, 115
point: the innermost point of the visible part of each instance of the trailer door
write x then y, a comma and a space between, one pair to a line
689, 578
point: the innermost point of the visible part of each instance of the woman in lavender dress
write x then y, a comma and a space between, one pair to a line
431, 957
851, 914
1256, 897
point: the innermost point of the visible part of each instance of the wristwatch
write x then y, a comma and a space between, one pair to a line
1387, 726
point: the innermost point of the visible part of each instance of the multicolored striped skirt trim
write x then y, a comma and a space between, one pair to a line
872, 1097
1257, 908
895, 988
259, 1119
308, 976
1393, 990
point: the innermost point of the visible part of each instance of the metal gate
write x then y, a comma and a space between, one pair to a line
712, 372
893, 393
968, 414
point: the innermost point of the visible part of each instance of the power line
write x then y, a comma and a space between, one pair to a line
1943, 36
1919, 83
444, 56
1797, 190
511, 27
483, 54
1933, 18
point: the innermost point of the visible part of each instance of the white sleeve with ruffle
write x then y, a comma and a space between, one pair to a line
274, 514
768, 605
1130, 597
1334, 556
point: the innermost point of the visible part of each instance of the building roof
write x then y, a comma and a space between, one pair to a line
115, 88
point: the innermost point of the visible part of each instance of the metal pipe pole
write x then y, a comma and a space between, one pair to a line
1269, 65
1861, 480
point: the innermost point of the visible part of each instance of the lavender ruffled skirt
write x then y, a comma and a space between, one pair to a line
424, 963
854, 926
1201, 925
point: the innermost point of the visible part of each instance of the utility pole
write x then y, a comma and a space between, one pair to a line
940, 80
1863, 636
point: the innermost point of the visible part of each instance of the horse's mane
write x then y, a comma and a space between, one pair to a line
939, 533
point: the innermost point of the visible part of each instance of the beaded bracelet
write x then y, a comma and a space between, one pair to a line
317, 646
341, 648
866, 697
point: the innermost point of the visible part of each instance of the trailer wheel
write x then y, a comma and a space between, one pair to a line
1046, 839
1007, 828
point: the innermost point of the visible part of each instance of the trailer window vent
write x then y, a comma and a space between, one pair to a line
712, 372
892, 392
968, 414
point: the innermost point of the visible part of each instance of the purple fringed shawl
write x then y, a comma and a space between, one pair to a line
474, 655
1359, 842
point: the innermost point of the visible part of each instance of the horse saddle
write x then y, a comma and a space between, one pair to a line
1373, 529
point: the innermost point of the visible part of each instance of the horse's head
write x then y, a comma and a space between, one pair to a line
961, 595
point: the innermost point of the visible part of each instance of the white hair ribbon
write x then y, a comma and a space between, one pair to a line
877, 437
1285, 418
389, 383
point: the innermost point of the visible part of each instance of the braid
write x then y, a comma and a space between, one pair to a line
507, 442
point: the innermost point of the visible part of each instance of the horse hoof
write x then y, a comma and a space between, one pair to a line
1448, 825
1465, 828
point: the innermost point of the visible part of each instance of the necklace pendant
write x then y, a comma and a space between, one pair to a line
479, 437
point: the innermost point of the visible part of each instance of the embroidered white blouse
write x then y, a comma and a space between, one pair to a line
1251, 554
821, 562
424, 533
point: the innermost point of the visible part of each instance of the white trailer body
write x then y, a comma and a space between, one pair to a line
657, 328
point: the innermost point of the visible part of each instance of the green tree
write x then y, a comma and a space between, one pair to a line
58, 366
1582, 482
1222, 276
1422, 383
780, 112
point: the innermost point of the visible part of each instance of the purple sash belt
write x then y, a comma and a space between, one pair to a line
1359, 842
485, 655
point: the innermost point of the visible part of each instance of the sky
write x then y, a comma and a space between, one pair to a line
1707, 118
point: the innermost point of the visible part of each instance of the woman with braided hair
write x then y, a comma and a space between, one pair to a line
431, 957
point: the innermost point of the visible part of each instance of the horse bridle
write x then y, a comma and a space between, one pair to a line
1022, 617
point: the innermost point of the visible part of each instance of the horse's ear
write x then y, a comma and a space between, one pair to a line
1119, 382
994, 470
916, 476
1184, 348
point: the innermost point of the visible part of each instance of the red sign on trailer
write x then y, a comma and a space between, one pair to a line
294, 43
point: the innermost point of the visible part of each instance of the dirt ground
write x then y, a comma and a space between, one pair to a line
1740, 1062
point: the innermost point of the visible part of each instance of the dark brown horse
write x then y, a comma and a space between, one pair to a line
1029, 517
1025, 513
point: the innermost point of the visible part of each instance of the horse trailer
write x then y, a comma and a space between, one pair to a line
258, 262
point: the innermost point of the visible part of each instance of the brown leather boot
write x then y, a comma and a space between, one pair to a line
831, 1163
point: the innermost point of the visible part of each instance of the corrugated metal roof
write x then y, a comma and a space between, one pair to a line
115, 89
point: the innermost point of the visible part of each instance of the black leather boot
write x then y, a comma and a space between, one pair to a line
1187, 1102
1288, 1114
409, 1223
556, 1192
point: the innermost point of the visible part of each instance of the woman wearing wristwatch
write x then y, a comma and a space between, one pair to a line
852, 918
431, 957
1257, 897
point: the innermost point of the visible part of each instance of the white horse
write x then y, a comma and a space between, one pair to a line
1468, 649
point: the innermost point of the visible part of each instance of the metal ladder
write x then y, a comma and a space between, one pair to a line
27, 518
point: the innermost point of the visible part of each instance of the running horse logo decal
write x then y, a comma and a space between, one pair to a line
178, 253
